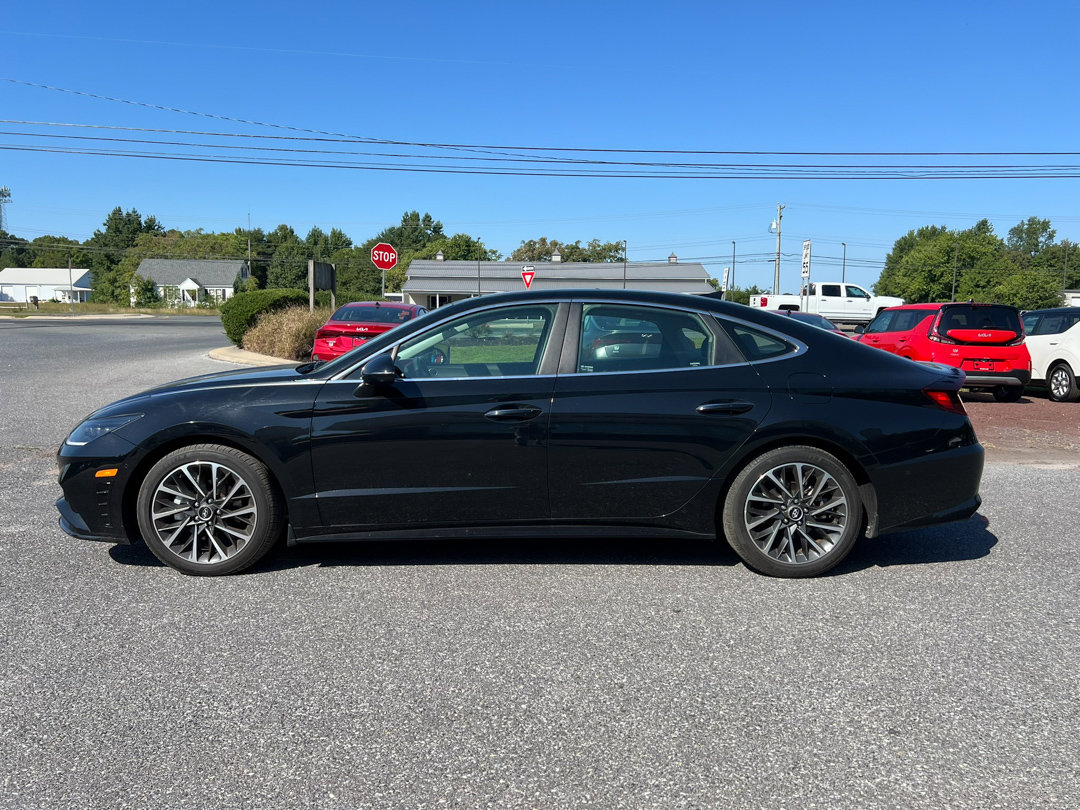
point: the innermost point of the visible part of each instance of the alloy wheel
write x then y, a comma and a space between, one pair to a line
204, 512
796, 513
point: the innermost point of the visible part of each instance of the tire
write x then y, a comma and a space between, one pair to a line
1008, 393
1061, 384
209, 510
768, 510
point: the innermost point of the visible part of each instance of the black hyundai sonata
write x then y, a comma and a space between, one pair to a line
571, 413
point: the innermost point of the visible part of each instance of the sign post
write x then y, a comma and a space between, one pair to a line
805, 275
384, 257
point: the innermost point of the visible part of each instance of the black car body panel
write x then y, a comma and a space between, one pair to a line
632, 453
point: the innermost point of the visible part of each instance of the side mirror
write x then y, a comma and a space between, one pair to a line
860, 329
379, 371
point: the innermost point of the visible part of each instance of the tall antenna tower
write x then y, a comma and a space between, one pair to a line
5, 198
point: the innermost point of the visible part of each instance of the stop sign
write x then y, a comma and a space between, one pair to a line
383, 256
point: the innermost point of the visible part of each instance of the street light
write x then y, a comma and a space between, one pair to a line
775, 228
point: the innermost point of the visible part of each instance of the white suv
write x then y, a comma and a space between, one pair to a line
1053, 339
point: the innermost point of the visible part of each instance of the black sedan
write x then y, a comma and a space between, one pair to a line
571, 413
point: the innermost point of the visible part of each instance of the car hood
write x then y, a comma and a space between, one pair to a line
221, 379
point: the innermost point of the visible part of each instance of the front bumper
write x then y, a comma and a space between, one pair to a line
92, 508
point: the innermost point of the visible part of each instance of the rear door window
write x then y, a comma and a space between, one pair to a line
961, 320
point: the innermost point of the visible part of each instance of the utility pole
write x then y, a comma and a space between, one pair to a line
776, 225
843, 268
479, 252
1065, 272
624, 264
71, 287
732, 263
955, 253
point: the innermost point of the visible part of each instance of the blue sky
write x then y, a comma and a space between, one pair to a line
799, 77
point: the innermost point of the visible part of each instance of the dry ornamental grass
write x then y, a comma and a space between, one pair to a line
287, 333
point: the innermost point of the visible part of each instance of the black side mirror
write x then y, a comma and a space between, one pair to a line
379, 371
860, 329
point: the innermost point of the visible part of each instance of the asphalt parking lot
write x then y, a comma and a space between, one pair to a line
933, 668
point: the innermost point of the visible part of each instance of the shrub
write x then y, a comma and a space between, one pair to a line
240, 312
286, 333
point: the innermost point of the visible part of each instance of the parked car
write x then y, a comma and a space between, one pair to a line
985, 341
1053, 339
501, 416
819, 321
355, 324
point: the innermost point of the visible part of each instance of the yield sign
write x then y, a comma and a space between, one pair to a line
527, 275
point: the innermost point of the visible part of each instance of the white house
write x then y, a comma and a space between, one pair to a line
19, 284
187, 282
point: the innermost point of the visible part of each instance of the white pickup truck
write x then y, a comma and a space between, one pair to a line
840, 302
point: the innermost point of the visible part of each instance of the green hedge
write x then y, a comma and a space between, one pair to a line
240, 312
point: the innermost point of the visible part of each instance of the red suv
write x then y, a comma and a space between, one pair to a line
355, 324
986, 341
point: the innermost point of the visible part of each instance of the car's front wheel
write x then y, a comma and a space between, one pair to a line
793, 512
208, 510
1061, 384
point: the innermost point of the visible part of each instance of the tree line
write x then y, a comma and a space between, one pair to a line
1028, 269
278, 258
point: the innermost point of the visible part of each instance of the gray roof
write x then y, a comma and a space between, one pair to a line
430, 276
207, 272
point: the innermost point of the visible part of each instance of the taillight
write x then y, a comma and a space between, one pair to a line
324, 333
947, 400
764, 302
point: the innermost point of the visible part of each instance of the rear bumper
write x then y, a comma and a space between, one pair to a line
936, 488
992, 379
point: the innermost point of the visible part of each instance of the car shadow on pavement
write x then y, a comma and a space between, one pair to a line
591, 551
949, 542
953, 542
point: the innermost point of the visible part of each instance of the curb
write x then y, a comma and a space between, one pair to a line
231, 354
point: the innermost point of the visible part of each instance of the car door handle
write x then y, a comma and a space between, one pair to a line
729, 408
519, 413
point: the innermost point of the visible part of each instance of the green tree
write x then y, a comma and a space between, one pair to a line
1031, 237
109, 283
53, 251
14, 251
541, 250
288, 261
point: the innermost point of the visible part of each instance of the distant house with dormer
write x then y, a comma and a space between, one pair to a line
188, 282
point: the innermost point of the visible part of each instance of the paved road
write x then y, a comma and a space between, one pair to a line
935, 669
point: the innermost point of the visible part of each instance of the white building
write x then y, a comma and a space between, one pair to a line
432, 283
187, 282
19, 284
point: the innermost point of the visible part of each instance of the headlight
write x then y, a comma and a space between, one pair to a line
96, 428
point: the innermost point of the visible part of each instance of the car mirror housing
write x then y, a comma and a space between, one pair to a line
379, 371
860, 329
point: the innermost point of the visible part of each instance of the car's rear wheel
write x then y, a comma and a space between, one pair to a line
1008, 393
208, 510
1061, 384
793, 512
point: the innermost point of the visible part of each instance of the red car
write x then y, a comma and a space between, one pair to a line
986, 341
355, 324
